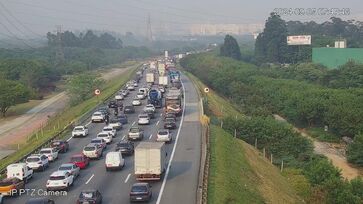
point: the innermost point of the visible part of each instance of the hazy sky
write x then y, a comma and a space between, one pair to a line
39, 16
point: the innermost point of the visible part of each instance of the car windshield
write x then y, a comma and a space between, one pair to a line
122, 144
54, 178
143, 116
101, 135
32, 159
65, 168
170, 120
87, 195
97, 114
89, 148
80, 129
134, 130
114, 121
56, 143
45, 152
139, 189
77, 159
96, 141
107, 129
163, 132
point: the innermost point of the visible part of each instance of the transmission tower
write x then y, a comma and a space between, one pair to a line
59, 54
149, 33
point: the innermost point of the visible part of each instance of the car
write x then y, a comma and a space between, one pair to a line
149, 107
115, 123
112, 104
125, 147
135, 133
37, 162
59, 180
123, 118
144, 119
71, 168
100, 141
93, 151
129, 109
61, 145
110, 129
164, 135
119, 97
11, 186
169, 115
89, 196
81, 131
135, 84
105, 136
169, 123
141, 95
80, 160
125, 92
136, 102
130, 87
140, 192
20, 171
41, 200
144, 90
161, 89
51, 153
150, 113
114, 160
98, 117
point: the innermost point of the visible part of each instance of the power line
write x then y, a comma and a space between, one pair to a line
7, 29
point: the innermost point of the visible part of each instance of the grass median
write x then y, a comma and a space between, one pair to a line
70, 115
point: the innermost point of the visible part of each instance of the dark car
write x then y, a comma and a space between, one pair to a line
90, 196
129, 109
40, 201
60, 145
11, 186
140, 192
170, 123
112, 104
125, 147
169, 115
104, 110
123, 119
150, 113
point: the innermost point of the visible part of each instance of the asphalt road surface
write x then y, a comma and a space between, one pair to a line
179, 183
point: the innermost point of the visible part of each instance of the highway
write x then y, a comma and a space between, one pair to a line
180, 182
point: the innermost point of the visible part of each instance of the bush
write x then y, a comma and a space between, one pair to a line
355, 151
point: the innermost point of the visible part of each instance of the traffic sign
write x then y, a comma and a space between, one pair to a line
97, 92
206, 90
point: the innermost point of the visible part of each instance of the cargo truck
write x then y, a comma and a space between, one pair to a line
150, 161
173, 101
155, 98
163, 80
150, 78
161, 68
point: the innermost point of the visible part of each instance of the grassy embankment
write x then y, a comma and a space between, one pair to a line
69, 115
238, 172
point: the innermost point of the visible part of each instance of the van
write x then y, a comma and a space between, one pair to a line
20, 171
114, 160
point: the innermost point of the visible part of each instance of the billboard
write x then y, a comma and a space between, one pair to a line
299, 40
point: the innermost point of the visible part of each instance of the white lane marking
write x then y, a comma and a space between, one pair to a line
157, 123
69, 139
161, 114
133, 123
90, 179
88, 123
123, 137
127, 178
150, 136
173, 152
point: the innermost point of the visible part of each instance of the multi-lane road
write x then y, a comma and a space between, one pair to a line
178, 185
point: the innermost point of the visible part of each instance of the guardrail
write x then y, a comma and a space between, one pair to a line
82, 119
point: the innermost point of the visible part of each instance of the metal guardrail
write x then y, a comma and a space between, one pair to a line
82, 119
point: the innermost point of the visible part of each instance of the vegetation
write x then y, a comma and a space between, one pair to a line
230, 48
11, 93
355, 150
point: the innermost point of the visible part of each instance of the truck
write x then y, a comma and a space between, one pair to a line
161, 68
155, 98
150, 78
174, 75
152, 65
163, 80
173, 100
150, 161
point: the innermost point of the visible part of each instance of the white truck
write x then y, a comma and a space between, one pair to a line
150, 161
152, 65
150, 78
161, 68
20, 171
163, 80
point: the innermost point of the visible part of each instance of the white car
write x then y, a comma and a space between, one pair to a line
71, 168
110, 129
136, 102
116, 124
98, 117
51, 153
106, 136
135, 84
114, 160
141, 95
163, 136
144, 90
119, 96
125, 92
130, 87
37, 162
149, 107
93, 151
144, 119
59, 180
80, 131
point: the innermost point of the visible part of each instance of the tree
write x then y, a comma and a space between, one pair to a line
81, 87
11, 93
320, 171
230, 48
355, 150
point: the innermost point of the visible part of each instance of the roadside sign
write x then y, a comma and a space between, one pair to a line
206, 90
97, 92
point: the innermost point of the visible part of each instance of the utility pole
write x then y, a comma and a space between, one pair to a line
59, 54
149, 33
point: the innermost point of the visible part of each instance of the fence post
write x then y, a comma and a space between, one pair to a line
271, 158
235, 132
221, 123
282, 165
264, 152
256, 143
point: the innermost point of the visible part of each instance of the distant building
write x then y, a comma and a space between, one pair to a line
223, 29
335, 57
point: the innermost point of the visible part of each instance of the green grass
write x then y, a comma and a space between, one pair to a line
69, 115
323, 136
